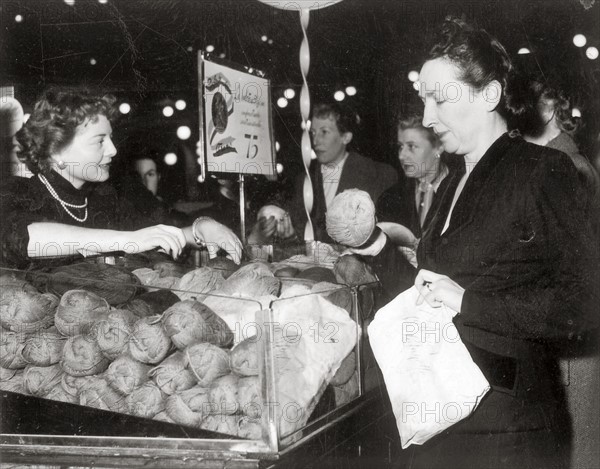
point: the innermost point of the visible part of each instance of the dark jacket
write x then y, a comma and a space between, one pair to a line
397, 205
523, 249
24, 201
587, 174
586, 171
358, 173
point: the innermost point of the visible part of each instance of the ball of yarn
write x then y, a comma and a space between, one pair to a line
78, 310
351, 218
26, 310
148, 342
114, 284
82, 357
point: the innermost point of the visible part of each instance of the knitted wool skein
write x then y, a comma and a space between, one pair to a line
351, 218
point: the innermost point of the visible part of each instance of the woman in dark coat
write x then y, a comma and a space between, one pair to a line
509, 250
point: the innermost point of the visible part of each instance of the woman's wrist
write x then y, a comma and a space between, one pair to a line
374, 247
197, 231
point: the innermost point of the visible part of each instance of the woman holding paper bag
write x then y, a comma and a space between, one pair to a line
510, 251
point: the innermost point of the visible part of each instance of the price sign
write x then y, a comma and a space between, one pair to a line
236, 123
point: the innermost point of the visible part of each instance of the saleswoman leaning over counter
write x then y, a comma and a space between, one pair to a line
67, 208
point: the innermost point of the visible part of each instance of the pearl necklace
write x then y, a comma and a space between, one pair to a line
65, 205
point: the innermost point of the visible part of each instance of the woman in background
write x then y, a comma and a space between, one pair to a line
551, 124
67, 208
419, 151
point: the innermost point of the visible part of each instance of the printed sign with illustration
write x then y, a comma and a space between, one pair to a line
235, 120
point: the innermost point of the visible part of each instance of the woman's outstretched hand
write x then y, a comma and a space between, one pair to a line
168, 239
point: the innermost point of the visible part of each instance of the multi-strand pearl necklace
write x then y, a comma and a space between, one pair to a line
65, 205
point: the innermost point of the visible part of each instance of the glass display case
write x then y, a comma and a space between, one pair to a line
173, 366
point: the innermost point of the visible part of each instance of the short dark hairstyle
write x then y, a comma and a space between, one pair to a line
345, 118
54, 121
415, 121
480, 59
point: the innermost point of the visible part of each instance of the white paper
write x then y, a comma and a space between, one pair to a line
430, 376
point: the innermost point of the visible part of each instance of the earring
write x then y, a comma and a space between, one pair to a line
61, 164
437, 155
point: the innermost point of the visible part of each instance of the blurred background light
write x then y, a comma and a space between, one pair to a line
184, 132
591, 53
170, 159
579, 40
413, 75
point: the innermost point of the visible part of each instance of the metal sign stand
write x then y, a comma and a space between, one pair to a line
242, 211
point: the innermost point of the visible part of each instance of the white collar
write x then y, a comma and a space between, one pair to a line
328, 166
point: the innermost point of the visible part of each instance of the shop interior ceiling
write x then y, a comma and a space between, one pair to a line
145, 51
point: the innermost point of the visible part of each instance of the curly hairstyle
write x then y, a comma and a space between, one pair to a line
345, 119
546, 93
415, 121
480, 59
54, 121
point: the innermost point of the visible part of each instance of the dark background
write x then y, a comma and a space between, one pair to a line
146, 54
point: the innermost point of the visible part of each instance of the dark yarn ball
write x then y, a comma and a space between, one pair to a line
286, 272
171, 269
352, 271
223, 265
151, 303
318, 274
116, 285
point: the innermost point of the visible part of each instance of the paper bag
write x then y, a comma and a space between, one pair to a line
430, 377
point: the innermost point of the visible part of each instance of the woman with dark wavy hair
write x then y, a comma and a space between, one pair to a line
510, 251
67, 208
